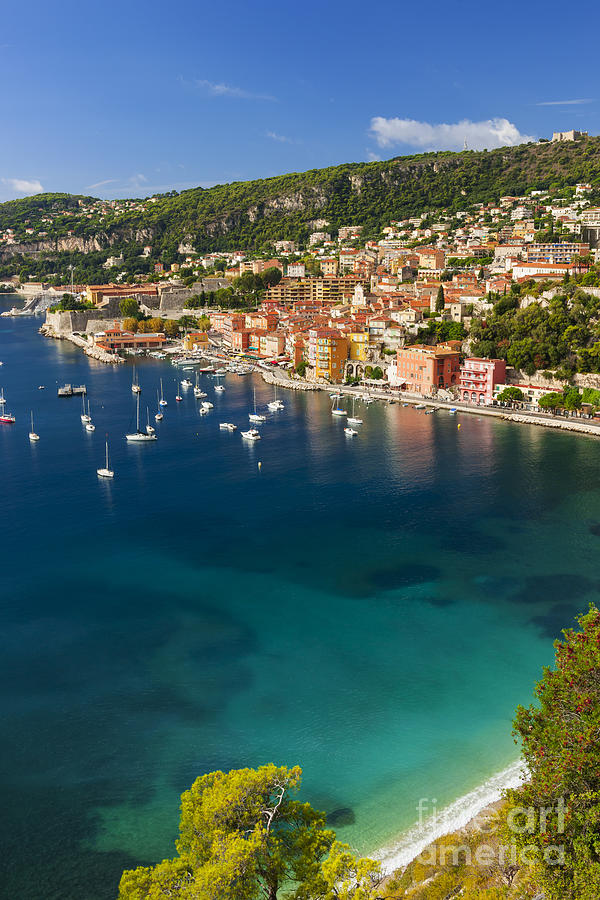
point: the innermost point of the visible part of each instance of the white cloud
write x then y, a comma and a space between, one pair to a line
479, 135
373, 157
565, 102
24, 185
280, 138
218, 89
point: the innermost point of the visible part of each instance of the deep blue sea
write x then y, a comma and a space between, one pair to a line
372, 609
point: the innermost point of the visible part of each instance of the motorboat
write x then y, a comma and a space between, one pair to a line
251, 435
186, 383
350, 431
227, 426
206, 404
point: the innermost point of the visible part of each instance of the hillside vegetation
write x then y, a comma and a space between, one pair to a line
252, 214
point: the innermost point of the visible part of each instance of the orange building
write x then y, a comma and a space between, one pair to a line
423, 369
327, 353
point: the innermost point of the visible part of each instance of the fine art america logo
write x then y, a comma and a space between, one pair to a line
516, 851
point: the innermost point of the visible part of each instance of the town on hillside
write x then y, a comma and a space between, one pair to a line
495, 303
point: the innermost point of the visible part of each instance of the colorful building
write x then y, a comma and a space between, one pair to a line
479, 377
327, 353
423, 370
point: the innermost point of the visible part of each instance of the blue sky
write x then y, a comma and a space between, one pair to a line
129, 98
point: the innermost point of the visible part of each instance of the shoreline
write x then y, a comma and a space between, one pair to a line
573, 424
466, 813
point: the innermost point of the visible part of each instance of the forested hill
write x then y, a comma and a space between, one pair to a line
254, 213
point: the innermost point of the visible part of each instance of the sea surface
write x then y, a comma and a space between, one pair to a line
372, 609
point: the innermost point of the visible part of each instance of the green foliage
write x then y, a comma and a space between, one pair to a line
560, 739
510, 395
68, 303
243, 837
437, 332
439, 302
551, 401
301, 368
129, 307
591, 395
377, 373
562, 336
240, 214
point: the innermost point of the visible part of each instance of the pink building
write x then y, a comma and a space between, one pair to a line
478, 378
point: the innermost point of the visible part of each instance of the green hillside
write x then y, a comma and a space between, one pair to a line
252, 214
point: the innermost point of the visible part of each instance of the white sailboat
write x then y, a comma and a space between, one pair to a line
162, 401
134, 383
138, 435
354, 420
255, 417
2, 400
32, 435
198, 392
337, 410
106, 471
178, 396
276, 403
84, 416
89, 425
149, 428
159, 416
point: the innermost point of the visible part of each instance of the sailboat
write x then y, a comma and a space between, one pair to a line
84, 416
106, 471
219, 387
149, 428
135, 387
139, 435
255, 417
2, 400
32, 435
162, 401
198, 392
178, 396
337, 410
353, 420
89, 425
159, 416
275, 404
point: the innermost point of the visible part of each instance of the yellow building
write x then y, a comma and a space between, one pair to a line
195, 340
327, 353
358, 345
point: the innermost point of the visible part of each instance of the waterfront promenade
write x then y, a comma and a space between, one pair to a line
527, 417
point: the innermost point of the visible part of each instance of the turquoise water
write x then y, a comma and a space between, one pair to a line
372, 609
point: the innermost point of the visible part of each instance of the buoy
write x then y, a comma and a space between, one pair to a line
458, 426
259, 465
